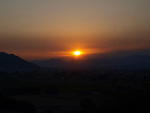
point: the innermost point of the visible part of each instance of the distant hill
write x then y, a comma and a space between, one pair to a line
53, 63
130, 62
12, 62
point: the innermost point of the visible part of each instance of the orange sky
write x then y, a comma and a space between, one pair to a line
42, 29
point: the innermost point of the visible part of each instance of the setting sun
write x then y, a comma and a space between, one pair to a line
77, 53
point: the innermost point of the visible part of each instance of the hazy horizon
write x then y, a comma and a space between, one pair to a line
35, 29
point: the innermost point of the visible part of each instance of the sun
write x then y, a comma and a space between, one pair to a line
77, 53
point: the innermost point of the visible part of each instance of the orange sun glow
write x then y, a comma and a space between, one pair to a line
77, 53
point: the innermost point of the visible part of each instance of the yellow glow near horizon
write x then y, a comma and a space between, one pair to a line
77, 53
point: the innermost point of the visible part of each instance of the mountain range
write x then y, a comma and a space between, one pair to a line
13, 62
130, 62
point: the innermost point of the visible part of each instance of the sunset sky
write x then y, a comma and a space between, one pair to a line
42, 29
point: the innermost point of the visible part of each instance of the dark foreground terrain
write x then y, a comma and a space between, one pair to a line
75, 91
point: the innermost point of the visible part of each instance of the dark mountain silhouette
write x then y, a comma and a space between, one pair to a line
54, 63
130, 62
10, 61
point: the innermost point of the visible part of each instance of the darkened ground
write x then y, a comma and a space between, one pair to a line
75, 91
